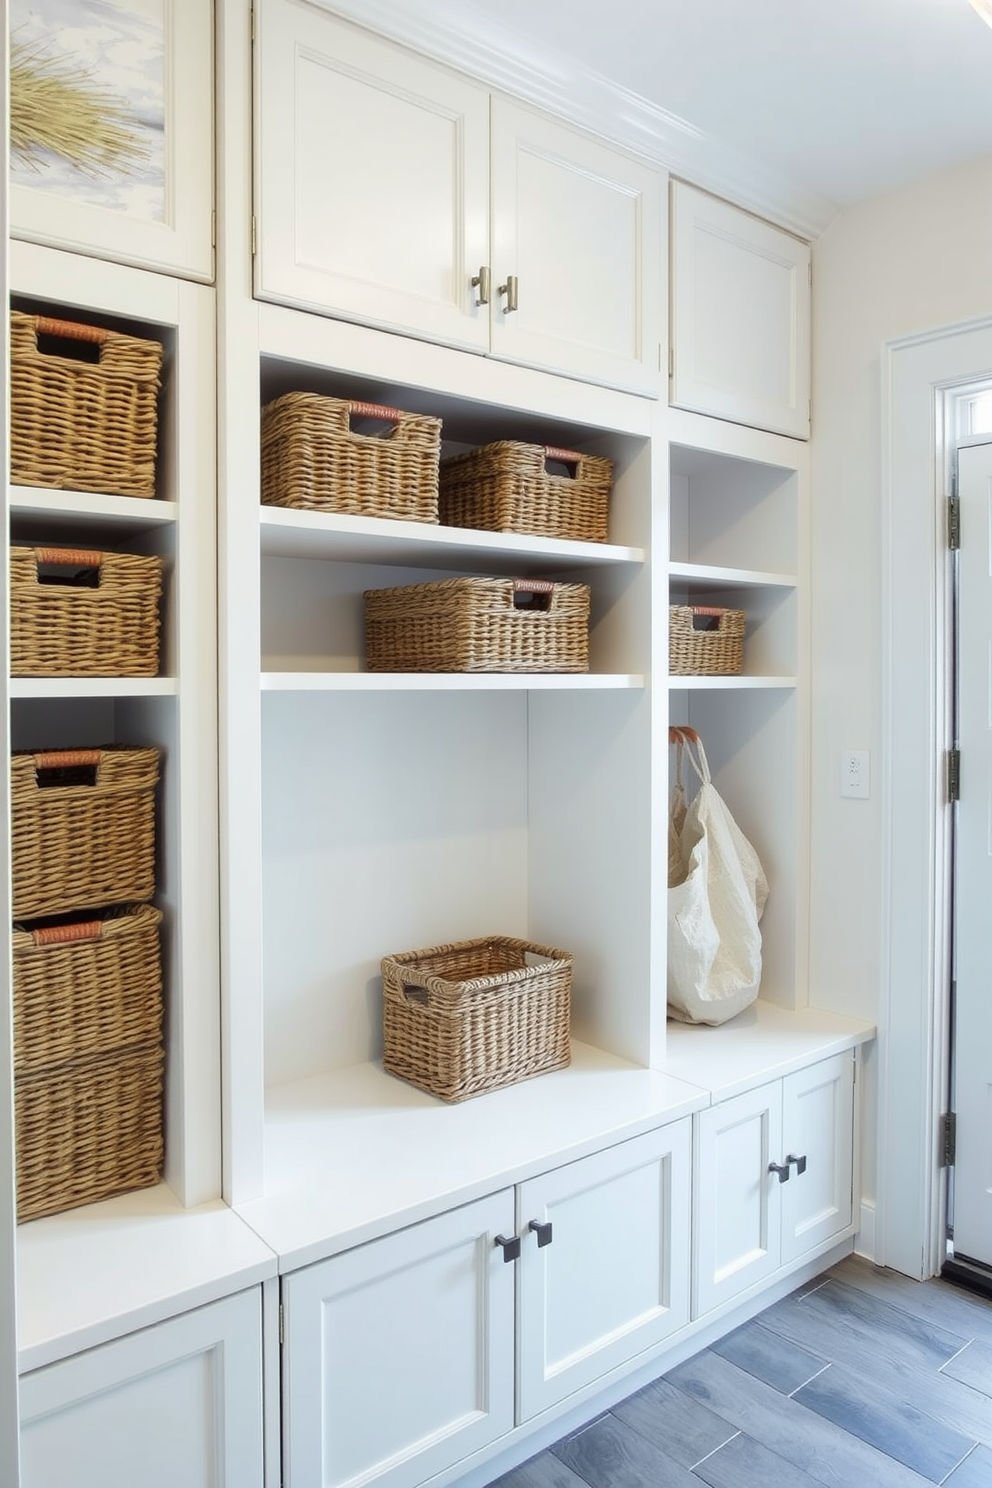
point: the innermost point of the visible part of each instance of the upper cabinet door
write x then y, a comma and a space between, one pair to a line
578, 227
372, 192
122, 167
740, 306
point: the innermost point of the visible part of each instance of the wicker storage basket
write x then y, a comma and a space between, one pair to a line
478, 625
462, 1019
83, 829
64, 625
313, 458
508, 487
713, 648
86, 987
83, 425
88, 1129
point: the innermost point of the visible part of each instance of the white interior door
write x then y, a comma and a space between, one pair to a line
972, 1214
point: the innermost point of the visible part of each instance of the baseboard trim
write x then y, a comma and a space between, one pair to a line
864, 1240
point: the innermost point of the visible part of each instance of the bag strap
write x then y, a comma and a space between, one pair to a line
700, 764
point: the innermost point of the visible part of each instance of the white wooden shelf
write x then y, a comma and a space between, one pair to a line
91, 687
356, 1153
713, 576
144, 1258
449, 681
114, 516
300, 534
728, 684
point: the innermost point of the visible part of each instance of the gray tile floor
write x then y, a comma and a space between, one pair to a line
864, 1379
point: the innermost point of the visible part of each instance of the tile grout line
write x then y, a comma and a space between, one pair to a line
955, 1356
716, 1449
792, 1393
970, 1452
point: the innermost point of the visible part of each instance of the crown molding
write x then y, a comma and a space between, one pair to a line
478, 44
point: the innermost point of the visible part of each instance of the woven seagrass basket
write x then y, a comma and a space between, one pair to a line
704, 640
62, 624
316, 457
86, 987
83, 425
478, 625
87, 1130
511, 487
463, 1019
83, 829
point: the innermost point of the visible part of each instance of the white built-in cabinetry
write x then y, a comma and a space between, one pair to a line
740, 315
361, 814
393, 191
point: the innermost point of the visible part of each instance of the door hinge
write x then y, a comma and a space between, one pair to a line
948, 1139
253, 23
953, 523
671, 361
953, 775
213, 229
282, 1325
253, 235
809, 268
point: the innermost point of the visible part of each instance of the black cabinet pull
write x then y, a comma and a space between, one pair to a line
782, 1169
510, 1247
543, 1232
800, 1162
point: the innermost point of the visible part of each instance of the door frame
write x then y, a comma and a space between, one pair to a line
922, 376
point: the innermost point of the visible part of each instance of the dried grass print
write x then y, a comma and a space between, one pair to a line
56, 107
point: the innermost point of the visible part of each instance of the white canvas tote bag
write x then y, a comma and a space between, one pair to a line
716, 894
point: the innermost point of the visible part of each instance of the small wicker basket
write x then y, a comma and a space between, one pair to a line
83, 425
83, 829
474, 1016
313, 458
87, 1130
64, 625
478, 625
509, 487
705, 641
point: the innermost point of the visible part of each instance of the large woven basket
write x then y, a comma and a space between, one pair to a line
466, 1018
88, 1129
705, 641
75, 612
83, 425
316, 457
512, 487
478, 625
86, 987
83, 829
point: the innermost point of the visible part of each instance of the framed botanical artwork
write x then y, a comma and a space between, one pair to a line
111, 129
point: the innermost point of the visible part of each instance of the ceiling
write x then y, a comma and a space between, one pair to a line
796, 107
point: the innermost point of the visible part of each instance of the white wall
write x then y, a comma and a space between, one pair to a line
909, 261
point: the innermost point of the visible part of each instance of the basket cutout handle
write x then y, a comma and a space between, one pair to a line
704, 616
67, 338
377, 413
63, 767
571, 461
49, 935
532, 594
78, 568
415, 992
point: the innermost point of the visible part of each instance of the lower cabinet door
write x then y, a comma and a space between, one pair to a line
398, 1355
818, 1128
177, 1403
604, 1264
737, 1201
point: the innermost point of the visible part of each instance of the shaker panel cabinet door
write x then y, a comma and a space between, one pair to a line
818, 1129
372, 178
177, 1403
398, 1355
740, 316
577, 235
737, 1202
604, 1264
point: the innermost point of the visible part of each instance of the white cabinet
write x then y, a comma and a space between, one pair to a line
401, 1355
180, 1402
144, 195
398, 1355
392, 191
740, 315
772, 1178
611, 1277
